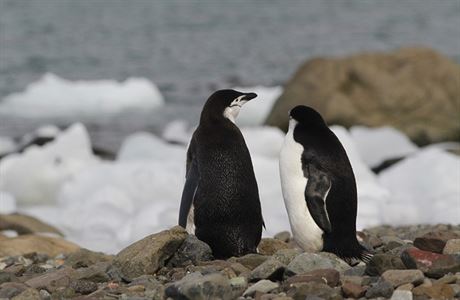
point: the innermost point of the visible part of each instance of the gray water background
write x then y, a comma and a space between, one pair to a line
191, 48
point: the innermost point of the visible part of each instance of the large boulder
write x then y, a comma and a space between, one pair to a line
412, 89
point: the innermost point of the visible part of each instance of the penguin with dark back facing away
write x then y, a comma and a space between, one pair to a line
220, 200
319, 187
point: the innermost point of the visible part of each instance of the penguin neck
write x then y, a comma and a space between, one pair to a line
224, 119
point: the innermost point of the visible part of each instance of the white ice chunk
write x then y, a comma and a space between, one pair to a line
55, 96
146, 146
256, 111
35, 176
376, 145
425, 189
7, 203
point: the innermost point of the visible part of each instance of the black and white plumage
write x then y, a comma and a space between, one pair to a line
319, 187
220, 201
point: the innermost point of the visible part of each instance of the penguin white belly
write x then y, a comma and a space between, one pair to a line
190, 228
304, 229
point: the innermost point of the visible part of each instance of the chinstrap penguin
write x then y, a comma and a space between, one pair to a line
220, 201
319, 187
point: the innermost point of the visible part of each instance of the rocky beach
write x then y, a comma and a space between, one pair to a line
410, 262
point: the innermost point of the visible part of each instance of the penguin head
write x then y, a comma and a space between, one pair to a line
305, 115
226, 103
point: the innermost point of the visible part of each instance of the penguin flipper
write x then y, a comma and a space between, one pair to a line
191, 184
318, 186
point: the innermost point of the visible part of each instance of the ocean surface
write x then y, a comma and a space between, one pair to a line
191, 48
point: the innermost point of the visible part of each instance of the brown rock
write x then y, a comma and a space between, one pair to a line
149, 254
85, 258
452, 247
330, 277
53, 280
24, 244
23, 224
406, 287
269, 246
352, 290
376, 89
400, 277
434, 241
10, 289
436, 291
29, 294
250, 261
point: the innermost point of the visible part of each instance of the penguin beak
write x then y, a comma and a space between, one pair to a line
249, 96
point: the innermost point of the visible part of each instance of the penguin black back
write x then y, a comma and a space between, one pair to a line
221, 187
324, 157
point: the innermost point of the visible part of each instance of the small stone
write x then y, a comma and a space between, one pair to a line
10, 289
6, 277
449, 278
197, 286
29, 294
95, 273
380, 289
149, 254
330, 277
456, 289
452, 247
263, 286
285, 256
269, 246
399, 277
44, 295
356, 271
434, 241
250, 261
432, 264
136, 288
406, 287
85, 258
401, 295
352, 290
192, 251
283, 236
84, 287
337, 263
436, 291
391, 242
270, 269
354, 279
313, 290
53, 280
380, 263
307, 262
240, 269
239, 285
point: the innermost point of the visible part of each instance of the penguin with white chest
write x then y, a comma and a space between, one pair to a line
220, 201
319, 187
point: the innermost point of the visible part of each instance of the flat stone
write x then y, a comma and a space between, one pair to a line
400, 277
452, 247
380, 263
353, 279
380, 289
435, 241
337, 263
85, 258
313, 290
250, 261
285, 256
269, 246
240, 270
449, 278
270, 269
352, 290
53, 280
432, 264
95, 273
197, 286
436, 291
402, 295
330, 277
263, 286
406, 287
29, 243
283, 236
307, 262
149, 254
191, 251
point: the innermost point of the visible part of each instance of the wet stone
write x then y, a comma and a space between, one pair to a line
380, 263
